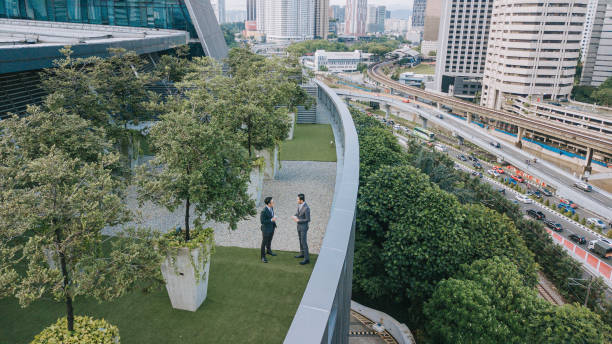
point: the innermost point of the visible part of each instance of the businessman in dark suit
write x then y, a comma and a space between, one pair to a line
268, 224
302, 218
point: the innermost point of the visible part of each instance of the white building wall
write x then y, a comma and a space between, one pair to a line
286, 20
533, 49
355, 17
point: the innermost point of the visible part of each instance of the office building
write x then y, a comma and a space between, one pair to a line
355, 17
597, 65
339, 61
376, 19
397, 26
219, 9
533, 49
321, 18
461, 46
418, 13
193, 16
251, 10
337, 12
588, 28
286, 20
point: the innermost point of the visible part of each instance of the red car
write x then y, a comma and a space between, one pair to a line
518, 179
568, 202
498, 169
406, 101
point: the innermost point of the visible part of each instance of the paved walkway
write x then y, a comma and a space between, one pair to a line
315, 179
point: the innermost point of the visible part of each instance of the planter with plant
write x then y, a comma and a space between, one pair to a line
87, 330
186, 266
200, 168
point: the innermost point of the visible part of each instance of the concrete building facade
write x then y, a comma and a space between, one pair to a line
597, 65
588, 27
339, 61
418, 13
533, 49
462, 46
251, 10
355, 17
219, 8
321, 18
286, 20
376, 19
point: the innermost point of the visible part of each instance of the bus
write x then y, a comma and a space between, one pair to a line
423, 134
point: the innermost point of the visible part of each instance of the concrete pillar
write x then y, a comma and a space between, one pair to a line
439, 106
424, 120
587, 161
387, 110
469, 117
518, 142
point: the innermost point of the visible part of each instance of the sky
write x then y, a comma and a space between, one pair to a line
391, 4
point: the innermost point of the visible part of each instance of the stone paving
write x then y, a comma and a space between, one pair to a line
315, 179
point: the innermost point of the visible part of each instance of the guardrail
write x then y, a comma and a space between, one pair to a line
324, 312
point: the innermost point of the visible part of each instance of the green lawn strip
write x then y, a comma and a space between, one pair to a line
311, 142
247, 302
420, 69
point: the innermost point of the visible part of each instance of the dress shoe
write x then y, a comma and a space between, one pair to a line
272, 253
264, 260
299, 256
304, 262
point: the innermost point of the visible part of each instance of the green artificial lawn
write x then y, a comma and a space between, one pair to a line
248, 302
421, 68
311, 142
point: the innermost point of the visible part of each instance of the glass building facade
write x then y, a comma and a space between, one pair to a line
162, 14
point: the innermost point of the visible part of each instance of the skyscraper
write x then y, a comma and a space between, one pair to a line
251, 10
533, 50
588, 27
598, 56
321, 18
418, 13
219, 8
376, 18
462, 46
356, 13
286, 20
337, 12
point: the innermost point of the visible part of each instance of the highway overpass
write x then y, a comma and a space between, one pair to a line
590, 142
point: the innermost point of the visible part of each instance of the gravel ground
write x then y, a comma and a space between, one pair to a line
315, 179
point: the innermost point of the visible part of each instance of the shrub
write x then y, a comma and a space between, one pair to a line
87, 330
547, 203
591, 226
576, 217
609, 234
583, 221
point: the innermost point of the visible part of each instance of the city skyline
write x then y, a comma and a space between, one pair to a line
389, 4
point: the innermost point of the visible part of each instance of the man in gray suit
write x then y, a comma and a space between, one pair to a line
302, 218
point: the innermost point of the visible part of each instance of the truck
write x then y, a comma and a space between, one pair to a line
601, 247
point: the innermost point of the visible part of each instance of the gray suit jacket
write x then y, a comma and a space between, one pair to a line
303, 217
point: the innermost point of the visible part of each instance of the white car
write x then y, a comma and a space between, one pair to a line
524, 199
596, 222
583, 186
493, 173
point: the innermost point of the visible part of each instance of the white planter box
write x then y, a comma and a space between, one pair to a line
271, 162
186, 290
255, 188
291, 126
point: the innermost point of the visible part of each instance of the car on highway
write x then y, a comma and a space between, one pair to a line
518, 178
524, 199
493, 173
554, 226
536, 193
495, 144
536, 214
596, 222
477, 174
499, 169
461, 157
477, 165
567, 208
569, 203
546, 192
583, 186
577, 239
405, 100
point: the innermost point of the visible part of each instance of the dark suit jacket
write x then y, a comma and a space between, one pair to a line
303, 217
267, 225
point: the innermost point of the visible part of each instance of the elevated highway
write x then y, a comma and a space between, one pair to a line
589, 140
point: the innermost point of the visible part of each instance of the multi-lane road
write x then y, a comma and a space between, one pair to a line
598, 201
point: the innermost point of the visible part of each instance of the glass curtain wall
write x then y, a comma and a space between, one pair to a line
162, 14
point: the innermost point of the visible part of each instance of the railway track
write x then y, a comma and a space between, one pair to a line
582, 137
367, 323
547, 295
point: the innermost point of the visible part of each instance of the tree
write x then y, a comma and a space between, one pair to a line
487, 302
196, 164
254, 102
51, 244
431, 53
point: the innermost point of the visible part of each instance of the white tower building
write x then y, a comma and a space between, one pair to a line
355, 16
533, 49
286, 20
